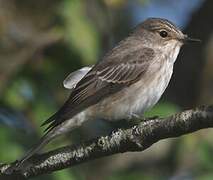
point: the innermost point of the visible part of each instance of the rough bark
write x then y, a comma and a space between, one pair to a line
136, 138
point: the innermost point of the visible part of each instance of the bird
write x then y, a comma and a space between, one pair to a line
126, 82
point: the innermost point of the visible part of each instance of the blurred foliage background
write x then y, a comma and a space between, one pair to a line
41, 42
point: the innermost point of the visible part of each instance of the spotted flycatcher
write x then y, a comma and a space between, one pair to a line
129, 80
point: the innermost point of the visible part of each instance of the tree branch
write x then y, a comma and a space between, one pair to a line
136, 138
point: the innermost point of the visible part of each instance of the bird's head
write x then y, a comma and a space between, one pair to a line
161, 32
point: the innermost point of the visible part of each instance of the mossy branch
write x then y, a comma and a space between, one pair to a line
136, 138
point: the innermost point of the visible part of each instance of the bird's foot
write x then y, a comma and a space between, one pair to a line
134, 119
149, 118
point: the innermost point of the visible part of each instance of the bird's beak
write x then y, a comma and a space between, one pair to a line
187, 39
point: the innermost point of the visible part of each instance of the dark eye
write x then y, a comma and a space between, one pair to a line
163, 34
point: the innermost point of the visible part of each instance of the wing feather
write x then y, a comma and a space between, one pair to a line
107, 77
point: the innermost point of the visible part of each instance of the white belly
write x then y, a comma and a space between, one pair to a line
140, 96
135, 99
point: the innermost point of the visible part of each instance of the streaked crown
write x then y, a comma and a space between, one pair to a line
160, 30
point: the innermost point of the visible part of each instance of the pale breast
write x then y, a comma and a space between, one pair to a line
142, 95
137, 98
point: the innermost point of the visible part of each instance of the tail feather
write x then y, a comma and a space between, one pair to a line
36, 148
49, 135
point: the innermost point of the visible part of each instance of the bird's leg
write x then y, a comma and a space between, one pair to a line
134, 119
151, 118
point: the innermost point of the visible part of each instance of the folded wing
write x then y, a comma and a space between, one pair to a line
105, 78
